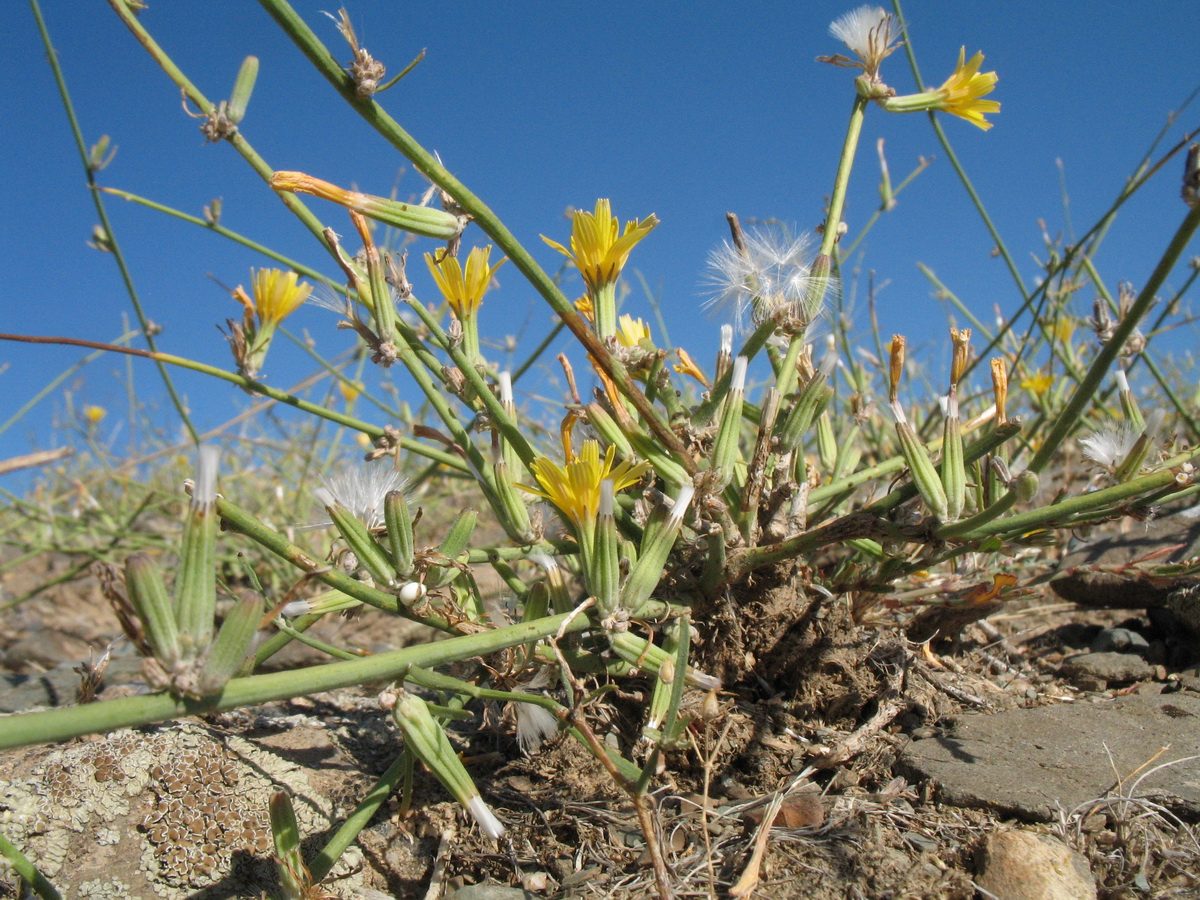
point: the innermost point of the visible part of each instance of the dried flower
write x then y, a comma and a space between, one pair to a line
1110, 444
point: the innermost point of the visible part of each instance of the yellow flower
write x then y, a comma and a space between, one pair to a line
598, 248
94, 414
464, 291
574, 487
960, 94
277, 294
632, 331
1037, 384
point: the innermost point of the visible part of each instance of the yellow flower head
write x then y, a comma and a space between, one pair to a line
961, 93
464, 290
94, 414
598, 248
1038, 384
277, 294
584, 307
574, 487
631, 332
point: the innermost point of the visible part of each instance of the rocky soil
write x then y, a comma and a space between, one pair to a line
1051, 750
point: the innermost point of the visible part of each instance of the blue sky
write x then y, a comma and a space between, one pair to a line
682, 110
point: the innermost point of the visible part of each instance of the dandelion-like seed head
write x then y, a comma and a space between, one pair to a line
771, 277
361, 489
1109, 444
871, 35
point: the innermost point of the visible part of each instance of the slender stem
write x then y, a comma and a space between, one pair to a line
126, 712
1064, 510
27, 871
239, 143
216, 228
256, 387
102, 213
321, 864
428, 164
1100, 366
841, 181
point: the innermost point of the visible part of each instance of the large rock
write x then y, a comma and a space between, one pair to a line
1030, 763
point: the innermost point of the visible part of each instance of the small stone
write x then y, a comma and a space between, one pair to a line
1115, 668
1014, 863
488, 892
1089, 683
1120, 640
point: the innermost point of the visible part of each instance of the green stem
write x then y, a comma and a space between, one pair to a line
192, 93
127, 712
256, 387
428, 164
1100, 366
1048, 516
348, 831
102, 213
841, 181
27, 871
224, 232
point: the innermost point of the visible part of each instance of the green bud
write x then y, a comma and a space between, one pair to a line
827, 444
233, 643
537, 602
398, 519
512, 511
725, 447
606, 427
428, 742
647, 572
196, 585
243, 87
649, 657
809, 405
1025, 486
603, 574
371, 555
294, 876
556, 582
149, 597
954, 470
924, 475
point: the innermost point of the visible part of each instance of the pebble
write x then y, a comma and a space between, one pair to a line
1015, 863
489, 892
1120, 668
1120, 640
